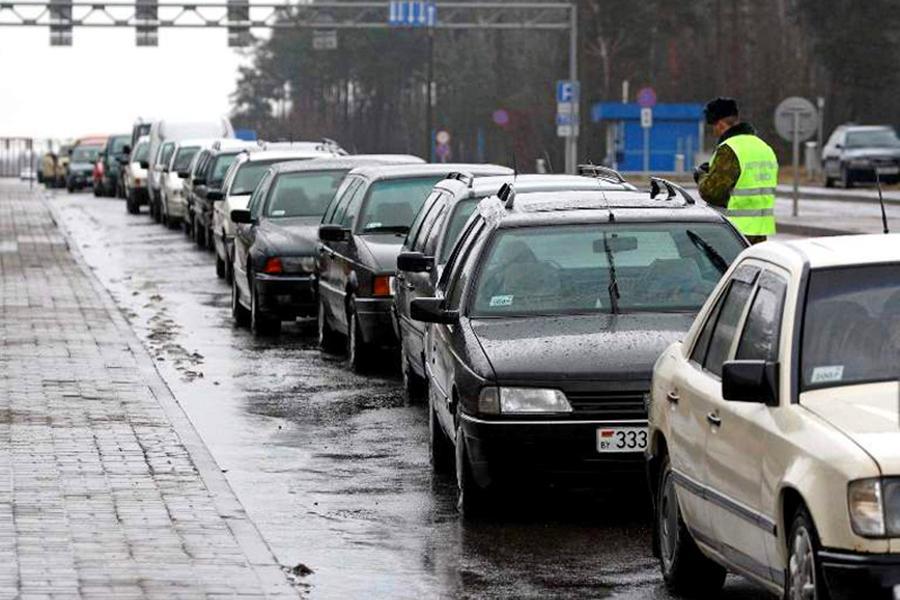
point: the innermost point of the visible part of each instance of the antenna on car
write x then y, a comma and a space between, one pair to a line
515, 167
881, 201
507, 195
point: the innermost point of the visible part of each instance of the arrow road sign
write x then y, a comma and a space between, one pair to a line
412, 13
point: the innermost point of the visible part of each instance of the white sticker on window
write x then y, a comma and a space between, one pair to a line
826, 374
505, 300
277, 213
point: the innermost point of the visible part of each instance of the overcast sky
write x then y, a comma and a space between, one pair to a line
103, 82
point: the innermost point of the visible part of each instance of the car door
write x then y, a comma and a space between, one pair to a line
736, 446
333, 262
694, 383
244, 234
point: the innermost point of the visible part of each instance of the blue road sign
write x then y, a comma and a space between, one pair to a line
412, 13
567, 91
646, 97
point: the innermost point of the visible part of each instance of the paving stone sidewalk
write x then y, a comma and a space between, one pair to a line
106, 490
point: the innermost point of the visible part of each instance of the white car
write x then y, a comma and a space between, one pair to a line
173, 206
238, 185
135, 176
774, 434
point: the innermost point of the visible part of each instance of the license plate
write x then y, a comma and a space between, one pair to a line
888, 170
621, 439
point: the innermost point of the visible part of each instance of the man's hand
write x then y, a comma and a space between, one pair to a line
701, 171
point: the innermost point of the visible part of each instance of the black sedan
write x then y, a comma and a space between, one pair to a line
548, 318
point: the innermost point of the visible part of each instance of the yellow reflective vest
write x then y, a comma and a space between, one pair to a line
751, 207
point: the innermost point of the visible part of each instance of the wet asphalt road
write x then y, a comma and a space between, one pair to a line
332, 467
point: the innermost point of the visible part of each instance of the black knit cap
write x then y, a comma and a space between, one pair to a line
719, 109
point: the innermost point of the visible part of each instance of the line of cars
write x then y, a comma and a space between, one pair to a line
574, 328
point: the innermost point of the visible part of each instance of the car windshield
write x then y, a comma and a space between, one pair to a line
303, 194
83, 154
600, 268
874, 138
219, 168
392, 204
119, 142
183, 157
165, 153
461, 213
249, 174
851, 326
141, 152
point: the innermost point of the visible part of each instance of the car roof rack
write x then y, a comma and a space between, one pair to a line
601, 172
672, 190
462, 176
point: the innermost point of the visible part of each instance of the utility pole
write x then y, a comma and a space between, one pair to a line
572, 139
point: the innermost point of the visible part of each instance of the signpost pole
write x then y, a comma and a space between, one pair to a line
572, 138
796, 159
646, 149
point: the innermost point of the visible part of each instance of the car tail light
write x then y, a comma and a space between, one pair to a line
273, 266
382, 285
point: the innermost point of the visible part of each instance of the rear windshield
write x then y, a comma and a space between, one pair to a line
183, 158
851, 326
304, 194
392, 204
461, 213
599, 268
219, 168
85, 154
250, 173
141, 152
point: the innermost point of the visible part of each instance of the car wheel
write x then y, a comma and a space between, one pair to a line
240, 314
846, 178
329, 340
441, 448
261, 324
199, 234
472, 498
804, 577
412, 383
220, 267
157, 215
829, 182
357, 349
686, 570
97, 192
131, 204
229, 266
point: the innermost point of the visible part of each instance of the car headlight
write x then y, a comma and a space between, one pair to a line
298, 264
521, 400
875, 507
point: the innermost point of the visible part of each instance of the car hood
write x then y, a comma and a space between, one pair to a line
867, 414
579, 347
858, 153
289, 237
381, 250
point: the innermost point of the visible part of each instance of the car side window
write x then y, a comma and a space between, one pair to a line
460, 278
428, 225
729, 316
762, 330
416, 226
475, 223
351, 208
256, 199
339, 196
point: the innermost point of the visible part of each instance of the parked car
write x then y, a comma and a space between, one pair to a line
158, 166
361, 233
854, 153
109, 182
774, 441
208, 177
240, 182
173, 131
547, 319
141, 128
134, 176
82, 160
276, 239
172, 202
431, 239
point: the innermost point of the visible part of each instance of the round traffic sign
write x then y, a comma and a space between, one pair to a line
442, 137
646, 97
799, 113
501, 117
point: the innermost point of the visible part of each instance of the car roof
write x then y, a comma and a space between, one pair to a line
489, 185
834, 251
340, 162
253, 155
201, 142
419, 170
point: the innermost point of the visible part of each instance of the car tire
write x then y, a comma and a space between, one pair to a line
846, 178
131, 204
199, 235
220, 267
472, 498
440, 445
229, 265
686, 570
357, 350
829, 182
260, 323
329, 339
413, 384
804, 573
240, 314
157, 215
98, 192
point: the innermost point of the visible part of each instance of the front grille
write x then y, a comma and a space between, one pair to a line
612, 406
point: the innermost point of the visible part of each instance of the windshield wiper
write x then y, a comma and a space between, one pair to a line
386, 229
714, 257
613, 287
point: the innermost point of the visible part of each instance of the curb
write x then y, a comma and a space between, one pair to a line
271, 575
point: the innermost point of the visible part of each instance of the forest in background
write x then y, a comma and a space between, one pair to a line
370, 93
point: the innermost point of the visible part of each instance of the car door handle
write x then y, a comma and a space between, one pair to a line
714, 419
672, 396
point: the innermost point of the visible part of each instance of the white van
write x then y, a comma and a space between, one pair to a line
165, 130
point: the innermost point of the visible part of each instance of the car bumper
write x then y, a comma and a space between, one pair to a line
141, 196
524, 449
866, 173
80, 181
376, 321
855, 575
175, 206
288, 296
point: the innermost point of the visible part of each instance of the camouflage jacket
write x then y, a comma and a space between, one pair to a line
716, 186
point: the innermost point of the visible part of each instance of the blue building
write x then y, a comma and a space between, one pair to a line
677, 130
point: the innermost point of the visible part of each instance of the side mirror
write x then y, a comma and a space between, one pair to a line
199, 181
414, 262
183, 174
144, 164
241, 215
214, 195
431, 310
333, 233
126, 149
750, 381
838, 146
